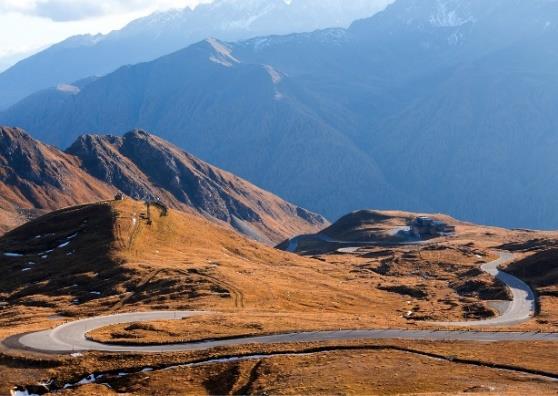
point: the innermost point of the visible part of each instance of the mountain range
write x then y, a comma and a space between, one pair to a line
407, 109
36, 178
164, 32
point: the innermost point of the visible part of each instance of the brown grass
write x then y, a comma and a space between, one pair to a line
181, 261
381, 367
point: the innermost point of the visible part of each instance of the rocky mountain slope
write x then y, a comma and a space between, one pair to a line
146, 167
335, 121
35, 178
164, 32
248, 118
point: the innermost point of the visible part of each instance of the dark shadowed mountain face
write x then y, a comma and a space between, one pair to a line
162, 33
430, 105
148, 168
36, 178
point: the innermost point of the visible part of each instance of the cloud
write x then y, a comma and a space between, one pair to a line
73, 10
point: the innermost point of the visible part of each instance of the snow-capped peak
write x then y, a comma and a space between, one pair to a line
449, 14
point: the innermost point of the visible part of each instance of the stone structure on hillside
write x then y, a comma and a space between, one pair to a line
425, 227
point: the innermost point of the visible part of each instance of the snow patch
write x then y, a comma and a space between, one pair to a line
222, 54
26, 269
68, 88
276, 77
8, 254
63, 245
25, 392
444, 17
87, 380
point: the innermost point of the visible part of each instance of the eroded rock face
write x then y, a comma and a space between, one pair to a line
477, 311
482, 288
404, 290
146, 167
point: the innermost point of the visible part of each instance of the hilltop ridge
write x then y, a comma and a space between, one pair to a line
36, 178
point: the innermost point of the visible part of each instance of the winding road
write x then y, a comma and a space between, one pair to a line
70, 337
522, 306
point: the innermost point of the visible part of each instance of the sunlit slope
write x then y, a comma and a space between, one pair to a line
123, 255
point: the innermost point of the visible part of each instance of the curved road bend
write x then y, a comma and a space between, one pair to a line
520, 309
70, 337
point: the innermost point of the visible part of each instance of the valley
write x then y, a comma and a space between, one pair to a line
178, 287
279, 197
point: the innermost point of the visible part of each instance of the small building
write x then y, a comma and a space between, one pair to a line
424, 227
119, 197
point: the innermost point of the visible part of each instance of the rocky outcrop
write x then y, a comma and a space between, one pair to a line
36, 178
146, 167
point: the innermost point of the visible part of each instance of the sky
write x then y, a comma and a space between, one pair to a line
29, 26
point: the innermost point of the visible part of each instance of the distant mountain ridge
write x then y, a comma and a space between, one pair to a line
36, 178
161, 33
429, 106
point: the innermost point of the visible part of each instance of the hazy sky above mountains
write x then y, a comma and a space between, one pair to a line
32, 25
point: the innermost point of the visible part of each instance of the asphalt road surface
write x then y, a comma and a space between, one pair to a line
520, 309
70, 337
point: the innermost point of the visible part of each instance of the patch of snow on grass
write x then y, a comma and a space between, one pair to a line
87, 380
63, 245
26, 269
25, 392
8, 254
